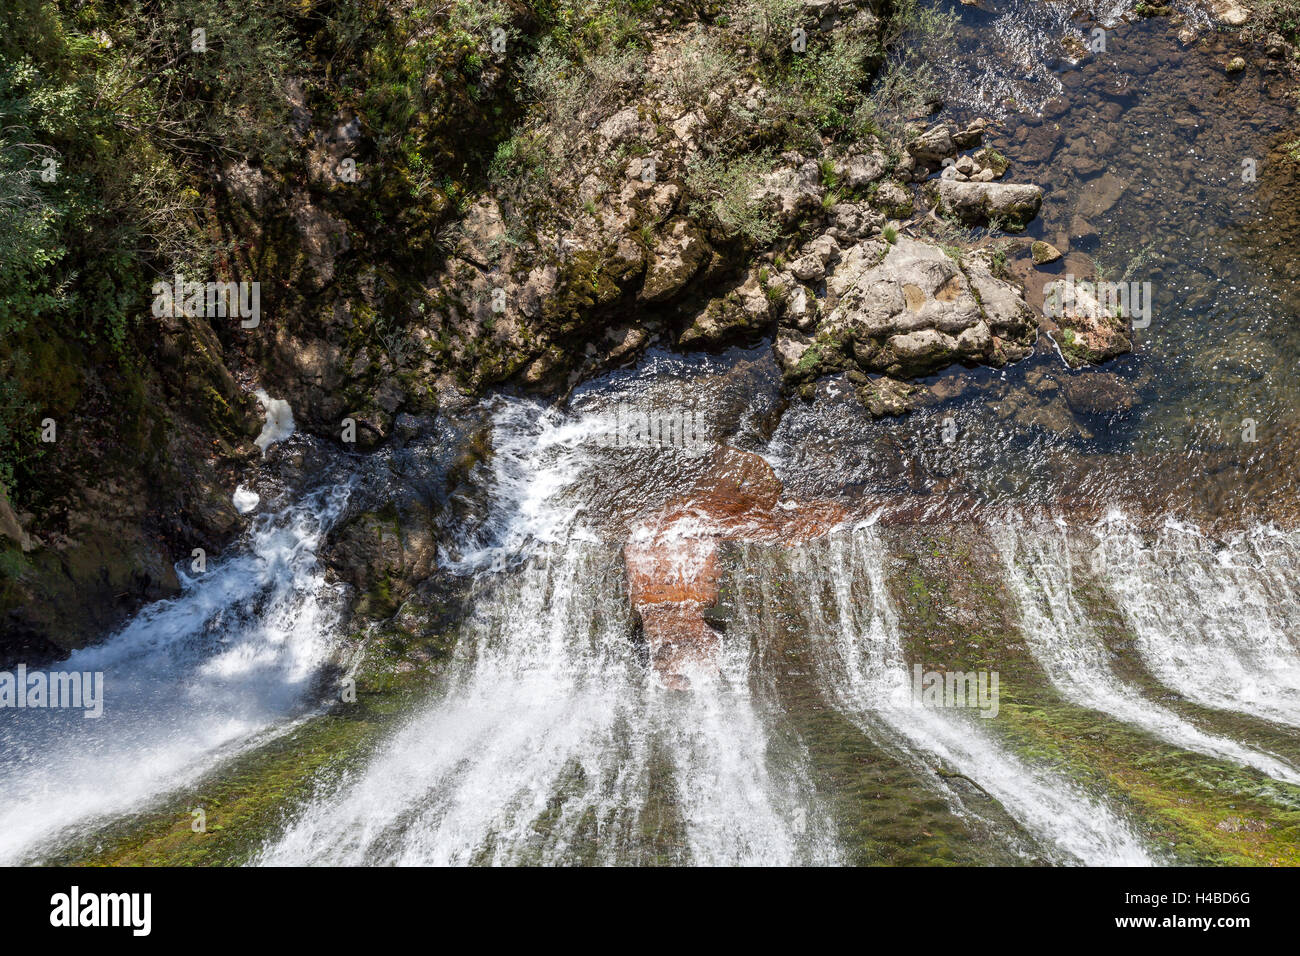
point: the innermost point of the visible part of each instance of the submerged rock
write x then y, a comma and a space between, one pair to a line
1099, 393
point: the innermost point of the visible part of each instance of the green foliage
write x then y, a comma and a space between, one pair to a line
109, 119
1274, 16
580, 28
566, 97
766, 26
724, 191
701, 65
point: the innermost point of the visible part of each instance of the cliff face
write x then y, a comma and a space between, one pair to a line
440, 202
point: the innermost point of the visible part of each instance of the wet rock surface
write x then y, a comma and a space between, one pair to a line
672, 557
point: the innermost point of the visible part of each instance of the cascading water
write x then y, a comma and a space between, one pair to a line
844, 607
553, 745
1216, 622
551, 735
188, 683
554, 742
1041, 567
552, 739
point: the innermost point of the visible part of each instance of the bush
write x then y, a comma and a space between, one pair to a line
1274, 16
567, 96
111, 101
724, 191
702, 65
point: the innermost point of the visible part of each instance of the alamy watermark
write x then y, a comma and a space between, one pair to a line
680, 429
208, 299
62, 690
977, 690
133, 911
1094, 300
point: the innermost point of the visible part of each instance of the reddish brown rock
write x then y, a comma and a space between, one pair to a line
680, 641
672, 558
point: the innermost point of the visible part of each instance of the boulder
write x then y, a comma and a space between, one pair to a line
894, 200
934, 145
915, 311
861, 170
675, 260
974, 202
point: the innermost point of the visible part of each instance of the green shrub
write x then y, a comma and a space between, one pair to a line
724, 190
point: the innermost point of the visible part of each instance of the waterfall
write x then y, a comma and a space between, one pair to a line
1217, 621
549, 737
188, 682
554, 745
844, 607
553, 742
1041, 565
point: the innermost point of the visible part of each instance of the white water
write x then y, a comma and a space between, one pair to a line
845, 608
1040, 565
552, 739
538, 455
554, 743
1217, 622
245, 499
279, 423
187, 683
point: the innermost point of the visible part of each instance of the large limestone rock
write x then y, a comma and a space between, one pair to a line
860, 170
793, 191
918, 310
934, 145
744, 311
1015, 205
674, 262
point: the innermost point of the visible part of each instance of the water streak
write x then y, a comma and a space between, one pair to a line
862, 667
1041, 566
554, 745
188, 682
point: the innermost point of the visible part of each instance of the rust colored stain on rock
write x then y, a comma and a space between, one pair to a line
672, 557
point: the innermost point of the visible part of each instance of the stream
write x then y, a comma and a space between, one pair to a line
1129, 571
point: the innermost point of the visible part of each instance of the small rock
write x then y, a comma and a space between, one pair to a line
809, 268
1230, 12
1044, 252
